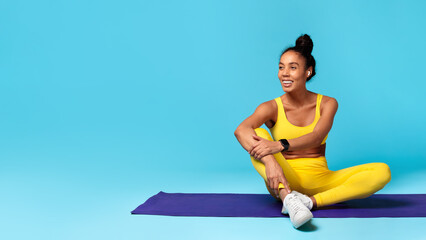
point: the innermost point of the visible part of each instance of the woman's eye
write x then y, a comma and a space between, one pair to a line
293, 67
280, 67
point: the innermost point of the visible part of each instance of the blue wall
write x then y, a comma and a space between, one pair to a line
104, 103
107, 91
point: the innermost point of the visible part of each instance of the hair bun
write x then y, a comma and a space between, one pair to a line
304, 42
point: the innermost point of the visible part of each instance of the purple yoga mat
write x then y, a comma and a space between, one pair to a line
264, 205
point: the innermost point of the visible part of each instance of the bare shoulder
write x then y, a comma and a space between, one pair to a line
267, 112
268, 105
329, 104
264, 113
268, 108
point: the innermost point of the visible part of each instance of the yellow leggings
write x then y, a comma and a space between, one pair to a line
312, 177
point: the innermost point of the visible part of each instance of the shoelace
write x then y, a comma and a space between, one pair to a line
293, 204
303, 200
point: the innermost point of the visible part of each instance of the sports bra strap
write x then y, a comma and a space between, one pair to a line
318, 107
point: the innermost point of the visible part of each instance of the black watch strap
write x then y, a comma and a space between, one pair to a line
285, 144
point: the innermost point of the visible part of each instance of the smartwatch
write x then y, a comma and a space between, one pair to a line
285, 144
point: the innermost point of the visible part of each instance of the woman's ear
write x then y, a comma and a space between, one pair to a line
309, 72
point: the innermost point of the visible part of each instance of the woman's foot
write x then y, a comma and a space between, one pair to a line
298, 212
307, 201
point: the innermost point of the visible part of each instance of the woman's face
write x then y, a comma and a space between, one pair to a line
291, 71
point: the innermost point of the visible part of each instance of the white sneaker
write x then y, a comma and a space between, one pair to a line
298, 212
304, 198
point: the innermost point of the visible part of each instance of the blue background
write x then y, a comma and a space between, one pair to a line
105, 103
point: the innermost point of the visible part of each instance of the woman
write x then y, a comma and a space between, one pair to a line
292, 162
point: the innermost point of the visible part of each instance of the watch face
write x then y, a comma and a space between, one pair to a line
285, 144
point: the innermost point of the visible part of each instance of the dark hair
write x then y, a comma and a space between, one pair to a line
304, 46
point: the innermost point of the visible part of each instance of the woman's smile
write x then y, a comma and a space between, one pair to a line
287, 83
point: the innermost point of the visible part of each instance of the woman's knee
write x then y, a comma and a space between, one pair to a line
261, 132
382, 174
385, 173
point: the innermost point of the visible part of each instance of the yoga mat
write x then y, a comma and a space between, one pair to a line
264, 205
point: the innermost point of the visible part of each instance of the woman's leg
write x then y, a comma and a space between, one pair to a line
289, 173
353, 183
325, 187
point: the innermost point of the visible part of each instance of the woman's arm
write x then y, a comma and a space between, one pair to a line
245, 131
321, 130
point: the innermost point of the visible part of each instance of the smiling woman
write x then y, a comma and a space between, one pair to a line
294, 155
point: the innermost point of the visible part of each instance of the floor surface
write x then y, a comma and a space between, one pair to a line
63, 205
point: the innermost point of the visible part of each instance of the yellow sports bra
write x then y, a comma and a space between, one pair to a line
284, 129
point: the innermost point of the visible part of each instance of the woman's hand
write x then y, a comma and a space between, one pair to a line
263, 147
275, 176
